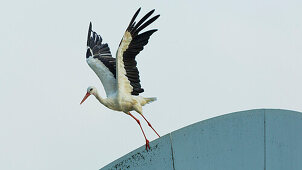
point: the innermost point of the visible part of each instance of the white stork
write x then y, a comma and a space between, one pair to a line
120, 76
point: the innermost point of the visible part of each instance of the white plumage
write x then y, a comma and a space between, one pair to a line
106, 77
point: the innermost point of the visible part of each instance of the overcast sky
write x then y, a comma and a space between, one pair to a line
208, 58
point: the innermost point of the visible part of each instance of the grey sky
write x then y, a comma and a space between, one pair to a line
208, 58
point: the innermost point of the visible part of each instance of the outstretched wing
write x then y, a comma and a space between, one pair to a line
132, 43
100, 60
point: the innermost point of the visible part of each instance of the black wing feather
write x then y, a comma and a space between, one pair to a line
100, 51
143, 20
135, 47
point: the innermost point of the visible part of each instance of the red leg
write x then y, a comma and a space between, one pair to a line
150, 125
147, 141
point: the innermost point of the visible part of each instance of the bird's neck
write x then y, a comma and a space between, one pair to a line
100, 99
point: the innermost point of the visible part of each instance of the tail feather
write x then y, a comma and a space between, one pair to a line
151, 99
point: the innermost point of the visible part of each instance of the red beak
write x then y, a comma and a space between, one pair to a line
85, 97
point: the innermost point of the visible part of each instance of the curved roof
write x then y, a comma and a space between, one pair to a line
268, 139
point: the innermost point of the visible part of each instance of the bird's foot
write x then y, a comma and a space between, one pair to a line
147, 144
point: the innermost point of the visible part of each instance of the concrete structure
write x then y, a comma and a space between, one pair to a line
262, 139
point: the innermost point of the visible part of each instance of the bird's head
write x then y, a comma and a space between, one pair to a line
90, 91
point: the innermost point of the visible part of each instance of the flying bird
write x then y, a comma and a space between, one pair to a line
120, 76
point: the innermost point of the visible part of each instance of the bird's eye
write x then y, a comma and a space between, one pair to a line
90, 90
